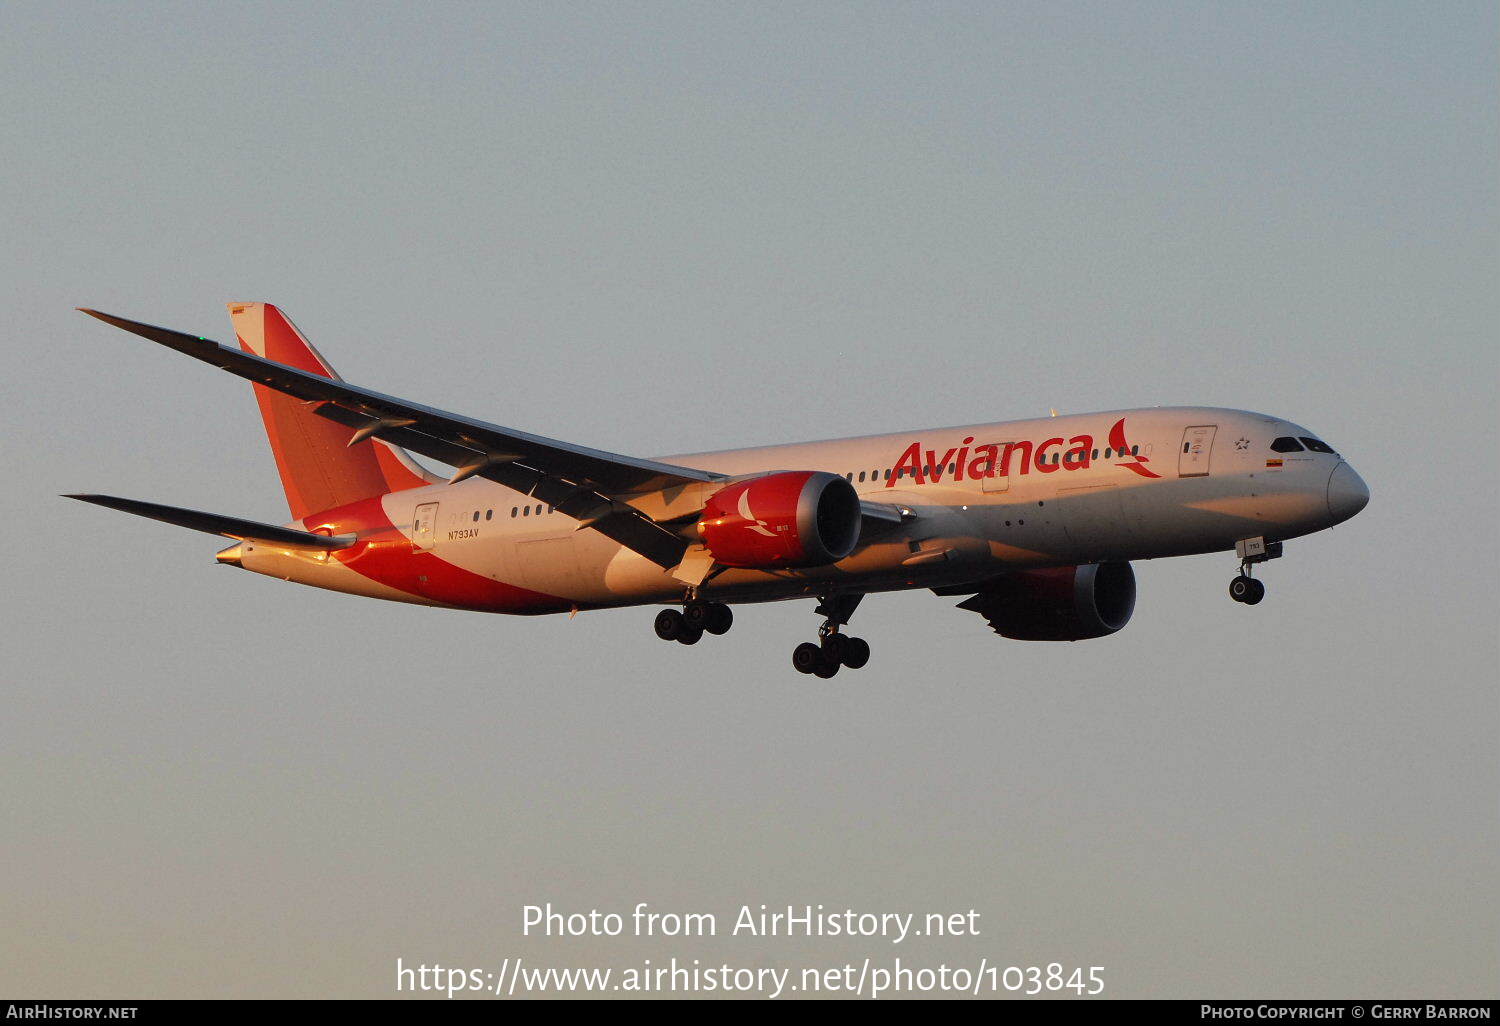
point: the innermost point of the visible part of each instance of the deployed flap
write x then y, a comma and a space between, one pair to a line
213, 523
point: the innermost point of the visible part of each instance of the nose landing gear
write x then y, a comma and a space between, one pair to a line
1245, 588
833, 650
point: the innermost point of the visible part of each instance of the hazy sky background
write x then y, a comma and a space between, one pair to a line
658, 228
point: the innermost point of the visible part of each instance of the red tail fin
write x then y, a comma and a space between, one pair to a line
318, 468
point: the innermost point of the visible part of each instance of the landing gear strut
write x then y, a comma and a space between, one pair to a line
833, 650
1245, 588
696, 618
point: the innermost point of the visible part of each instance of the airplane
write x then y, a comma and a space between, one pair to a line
1033, 523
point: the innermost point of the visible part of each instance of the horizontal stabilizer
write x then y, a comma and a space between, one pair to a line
213, 523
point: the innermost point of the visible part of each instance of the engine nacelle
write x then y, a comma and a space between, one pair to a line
796, 518
1068, 603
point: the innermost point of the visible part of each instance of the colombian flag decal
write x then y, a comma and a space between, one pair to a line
1273, 463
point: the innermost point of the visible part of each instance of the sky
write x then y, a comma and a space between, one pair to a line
658, 228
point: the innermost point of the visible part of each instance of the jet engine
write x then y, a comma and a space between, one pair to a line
779, 521
1068, 603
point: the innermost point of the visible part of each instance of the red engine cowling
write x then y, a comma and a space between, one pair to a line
796, 518
1068, 603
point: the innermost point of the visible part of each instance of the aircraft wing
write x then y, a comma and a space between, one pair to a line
578, 481
878, 518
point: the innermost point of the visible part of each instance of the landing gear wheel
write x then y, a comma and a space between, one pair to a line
834, 646
856, 653
696, 615
720, 618
713, 617
826, 667
1247, 590
689, 635
670, 625
807, 657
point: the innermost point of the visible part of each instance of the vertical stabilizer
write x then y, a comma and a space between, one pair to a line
319, 469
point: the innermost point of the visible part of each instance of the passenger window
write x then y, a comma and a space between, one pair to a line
1316, 446
1135, 450
476, 516
525, 511
489, 514
514, 511
1286, 445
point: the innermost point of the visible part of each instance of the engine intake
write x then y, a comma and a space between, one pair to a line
1068, 603
791, 519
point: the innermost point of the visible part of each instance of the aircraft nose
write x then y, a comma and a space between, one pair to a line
1347, 493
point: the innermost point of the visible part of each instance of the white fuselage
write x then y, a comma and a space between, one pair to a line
1184, 480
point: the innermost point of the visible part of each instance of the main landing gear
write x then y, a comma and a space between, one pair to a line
1245, 588
696, 618
833, 650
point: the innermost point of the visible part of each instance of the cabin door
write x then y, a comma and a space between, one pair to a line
1197, 446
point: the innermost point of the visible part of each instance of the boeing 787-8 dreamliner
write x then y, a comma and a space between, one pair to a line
1033, 523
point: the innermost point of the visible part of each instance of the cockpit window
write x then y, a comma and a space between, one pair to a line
1317, 446
1286, 445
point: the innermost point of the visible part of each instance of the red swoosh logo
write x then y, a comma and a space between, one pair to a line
1118, 444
